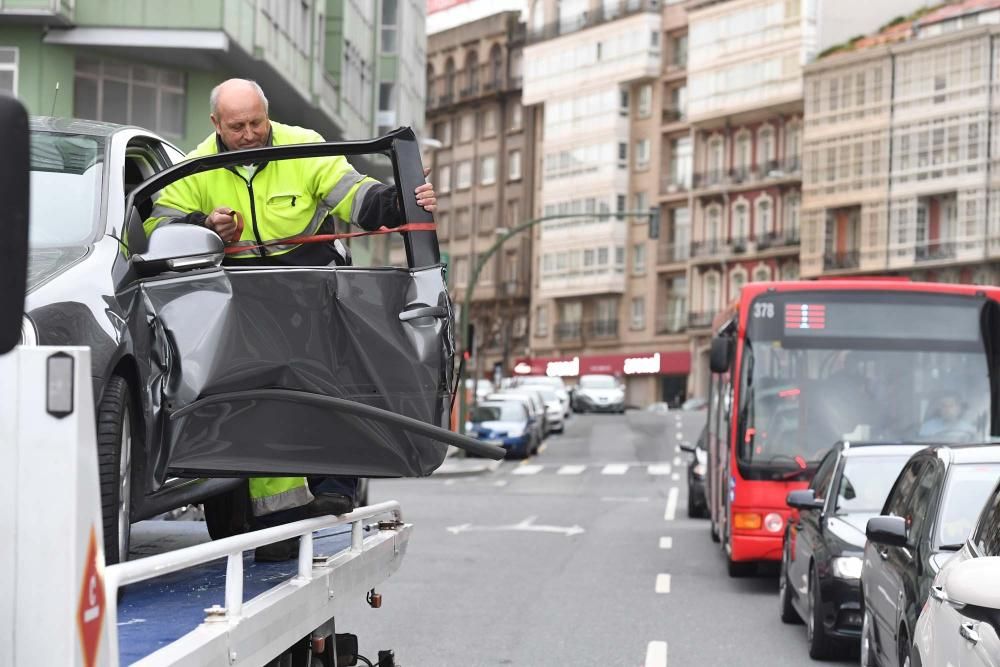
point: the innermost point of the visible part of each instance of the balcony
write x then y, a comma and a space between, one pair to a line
54, 12
588, 19
710, 179
770, 170
672, 253
673, 116
569, 331
935, 251
671, 323
602, 329
671, 184
700, 320
777, 240
848, 259
708, 248
514, 289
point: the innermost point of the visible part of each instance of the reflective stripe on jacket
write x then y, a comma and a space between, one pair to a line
281, 200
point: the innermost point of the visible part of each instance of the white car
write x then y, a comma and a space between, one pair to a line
555, 384
483, 388
599, 393
960, 623
554, 413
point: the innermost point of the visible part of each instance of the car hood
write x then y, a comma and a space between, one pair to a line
46, 263
850, 528
598, 394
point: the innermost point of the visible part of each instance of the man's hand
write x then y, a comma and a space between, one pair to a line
426, 198
222, 221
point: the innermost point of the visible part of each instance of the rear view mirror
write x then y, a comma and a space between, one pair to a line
179, 247
721, 353
975, 582
14, 183
888, 531
687, 447
804, 499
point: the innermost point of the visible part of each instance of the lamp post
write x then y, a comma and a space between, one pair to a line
653, 214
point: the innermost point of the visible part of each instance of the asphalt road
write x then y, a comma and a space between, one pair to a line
583, 555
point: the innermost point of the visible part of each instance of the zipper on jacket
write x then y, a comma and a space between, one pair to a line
253, 210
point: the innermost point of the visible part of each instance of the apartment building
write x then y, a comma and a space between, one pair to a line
745, 108
482, 155
153, 63
897, 151
592, 71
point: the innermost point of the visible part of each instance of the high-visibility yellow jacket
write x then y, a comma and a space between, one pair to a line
280, 200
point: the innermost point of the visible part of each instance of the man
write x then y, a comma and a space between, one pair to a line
948, 422
279, 200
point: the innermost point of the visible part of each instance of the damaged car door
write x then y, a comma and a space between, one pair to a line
279, 370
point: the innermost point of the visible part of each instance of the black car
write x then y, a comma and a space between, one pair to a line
927, 517
697, 467
204, 374
821, 558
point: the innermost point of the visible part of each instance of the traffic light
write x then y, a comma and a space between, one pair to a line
470, 340
654, 222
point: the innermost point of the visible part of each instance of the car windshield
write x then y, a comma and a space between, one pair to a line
66, 174
547, 395
909, 369
965, 493
866, 482
498, 412
598, 382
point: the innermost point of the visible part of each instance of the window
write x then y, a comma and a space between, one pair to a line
639, 259
765, 218
515, 120
489, 123
513, 213
710, 293
737, 279
790, 271
461, 271
765, 146
514, 165
712, 224
623, 102
792, 202
680, 163
442, 132
645, 101
714, 159
622, 154
8, 71
642, 154
741, 221
742, 157
444, 178
762, 273
487, 219
467, 128
463, 175
541, 320
639, 312
390, 23
441, 219
640, 203
150, 97
488, 170
462, 226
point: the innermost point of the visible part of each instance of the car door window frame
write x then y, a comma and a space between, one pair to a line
832, 459
988, 527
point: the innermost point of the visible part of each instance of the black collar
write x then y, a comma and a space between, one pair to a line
223, 148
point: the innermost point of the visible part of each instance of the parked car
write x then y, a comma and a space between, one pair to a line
504, 423
929, 513
554, 383
554, 417
697, 503
599, 393
171, 351
960, 624
694, 404
537, 401
821, 558
483, 387
536, 412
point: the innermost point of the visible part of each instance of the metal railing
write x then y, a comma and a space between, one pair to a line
671, 323
772, 169
777, 240
708, 248
670, 253
602, 328
568, 331
936, 250
593, 17
700, 320
848, 259
669, 184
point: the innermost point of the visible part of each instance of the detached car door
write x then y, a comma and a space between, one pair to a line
293, 370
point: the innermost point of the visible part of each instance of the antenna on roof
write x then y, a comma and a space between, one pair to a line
55, 96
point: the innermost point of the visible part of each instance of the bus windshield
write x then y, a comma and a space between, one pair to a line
859, 366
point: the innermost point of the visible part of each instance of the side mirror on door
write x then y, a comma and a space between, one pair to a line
14, 182
720, 356
179, 247
804, 499
688, 447
888, 531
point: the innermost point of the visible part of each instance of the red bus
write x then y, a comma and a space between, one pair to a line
799, 366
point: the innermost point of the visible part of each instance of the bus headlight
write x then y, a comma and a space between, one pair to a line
773, 522
846, 567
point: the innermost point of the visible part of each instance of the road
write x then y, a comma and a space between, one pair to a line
582, 555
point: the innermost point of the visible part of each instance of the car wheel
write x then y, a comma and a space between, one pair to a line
820, 645
229, 513
788, 613
713, 531
867, 637
905, 655
692, 508
117, 433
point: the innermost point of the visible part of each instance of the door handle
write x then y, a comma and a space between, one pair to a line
937, 592
426, 311
883, 554
968, 632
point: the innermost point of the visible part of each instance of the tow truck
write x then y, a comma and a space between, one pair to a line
207, 603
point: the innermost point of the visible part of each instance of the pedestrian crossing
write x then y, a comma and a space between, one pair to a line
658, 469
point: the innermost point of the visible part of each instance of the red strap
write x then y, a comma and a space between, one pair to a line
329, 238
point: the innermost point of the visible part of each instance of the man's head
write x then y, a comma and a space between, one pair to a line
239, 114
950, 407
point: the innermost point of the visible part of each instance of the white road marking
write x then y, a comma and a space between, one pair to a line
659, 469
663, 583
625, 499
615, 469
678, 460
571, 470
680, 436
671, 510
676, 477
528, 469
656, 655
666, 542
449, 482
500, 482
528, 525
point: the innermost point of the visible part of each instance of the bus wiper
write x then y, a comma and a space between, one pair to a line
949, 547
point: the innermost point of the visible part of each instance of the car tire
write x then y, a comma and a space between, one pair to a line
905, 650
788, 613
695, 510
713, 532
867, 637
229, 513
117, 434
820, 645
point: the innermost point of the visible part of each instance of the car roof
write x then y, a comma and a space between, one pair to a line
959, 454
856, 450
93, 128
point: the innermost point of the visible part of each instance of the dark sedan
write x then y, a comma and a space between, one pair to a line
821, 559
697, 500
929, 514
194, 364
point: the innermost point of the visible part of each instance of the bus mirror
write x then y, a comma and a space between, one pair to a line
720, 356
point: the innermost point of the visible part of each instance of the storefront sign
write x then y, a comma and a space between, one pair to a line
642, 363
562, 369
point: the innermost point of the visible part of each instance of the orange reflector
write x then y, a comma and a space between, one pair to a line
744, 521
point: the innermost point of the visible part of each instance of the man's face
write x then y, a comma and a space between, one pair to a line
950, 408
241, 121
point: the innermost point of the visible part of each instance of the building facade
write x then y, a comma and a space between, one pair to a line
153, 64
482, 154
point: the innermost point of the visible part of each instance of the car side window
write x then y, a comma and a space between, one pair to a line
987, 535
925, 493
824, 475
902, 491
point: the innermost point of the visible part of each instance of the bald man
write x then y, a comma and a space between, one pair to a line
279, 200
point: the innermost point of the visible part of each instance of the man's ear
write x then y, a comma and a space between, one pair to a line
215, 122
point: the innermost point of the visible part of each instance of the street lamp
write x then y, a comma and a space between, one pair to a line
653, 214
